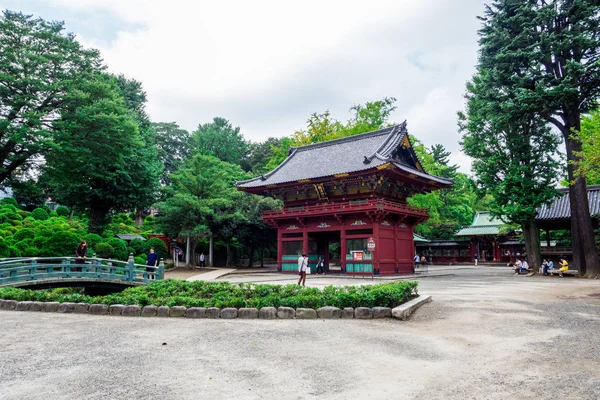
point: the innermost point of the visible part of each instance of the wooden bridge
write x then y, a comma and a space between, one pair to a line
96, 275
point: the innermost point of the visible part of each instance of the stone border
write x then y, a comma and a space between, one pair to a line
401, 312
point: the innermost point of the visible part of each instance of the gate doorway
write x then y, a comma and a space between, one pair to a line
328, 246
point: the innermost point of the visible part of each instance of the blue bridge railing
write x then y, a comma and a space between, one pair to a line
17, 270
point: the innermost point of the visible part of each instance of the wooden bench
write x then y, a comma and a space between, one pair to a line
554, 271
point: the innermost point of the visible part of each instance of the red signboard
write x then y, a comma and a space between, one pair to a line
371, 244
357, 255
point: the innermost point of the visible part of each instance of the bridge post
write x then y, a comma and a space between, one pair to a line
161, 270
130, 275
32, 270
67, 267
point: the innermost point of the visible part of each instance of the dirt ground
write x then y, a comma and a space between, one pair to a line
487, 335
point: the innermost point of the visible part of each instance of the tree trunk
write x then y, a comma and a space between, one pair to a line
262, 256
139, 217
71, 213
187, 252
98, 212
585, 256
227, 261
532, 243
251, 256
210, 250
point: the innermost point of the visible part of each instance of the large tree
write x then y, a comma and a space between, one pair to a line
172, 145
40, 65
95, 139
589, 165
546, 54
203, 200
515, 158
220, 139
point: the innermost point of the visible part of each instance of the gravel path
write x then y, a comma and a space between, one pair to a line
486, 335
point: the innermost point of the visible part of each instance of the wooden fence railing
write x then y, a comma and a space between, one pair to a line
17, 270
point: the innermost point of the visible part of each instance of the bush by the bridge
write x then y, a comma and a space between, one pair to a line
104, 250
224, 294
160, 247
40, 214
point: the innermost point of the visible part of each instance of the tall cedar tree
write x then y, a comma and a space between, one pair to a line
95, 139
39, 66
515, 158
546, 53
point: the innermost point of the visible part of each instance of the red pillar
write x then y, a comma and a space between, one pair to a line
343, 248
377, 244
395, 246
279, 249
305, 240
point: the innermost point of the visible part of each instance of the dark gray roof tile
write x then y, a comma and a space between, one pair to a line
560, 208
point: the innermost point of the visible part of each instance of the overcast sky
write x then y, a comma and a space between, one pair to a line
267, 65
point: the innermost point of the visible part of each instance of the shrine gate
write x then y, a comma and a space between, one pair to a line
345, 196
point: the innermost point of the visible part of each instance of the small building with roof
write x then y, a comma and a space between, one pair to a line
345, 200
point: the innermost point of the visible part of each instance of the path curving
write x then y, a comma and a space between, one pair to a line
211, 275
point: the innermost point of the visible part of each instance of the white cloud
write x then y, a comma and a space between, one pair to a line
267, 65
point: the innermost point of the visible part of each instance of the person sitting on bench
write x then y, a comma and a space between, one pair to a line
525, 267
564, 266
549, 266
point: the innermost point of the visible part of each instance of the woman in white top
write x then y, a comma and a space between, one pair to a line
302, 267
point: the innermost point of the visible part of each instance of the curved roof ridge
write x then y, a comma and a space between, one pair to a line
390, 142
344, 139
267, 175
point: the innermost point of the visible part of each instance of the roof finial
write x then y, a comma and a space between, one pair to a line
367, 160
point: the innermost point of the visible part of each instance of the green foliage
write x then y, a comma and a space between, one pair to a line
40, 65
63, 211
221, 140
138, 246
160, 247
92, 240
4, 249
55, 243
140, 259
9, 200
173, 145
104, 250
120, 248
40, 214
25, 233
224, 294
29, 193
589, 166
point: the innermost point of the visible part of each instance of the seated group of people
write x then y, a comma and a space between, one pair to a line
547, 265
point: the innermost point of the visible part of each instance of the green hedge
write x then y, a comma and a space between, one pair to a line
224, 294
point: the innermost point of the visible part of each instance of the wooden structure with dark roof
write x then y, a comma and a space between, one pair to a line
342, 195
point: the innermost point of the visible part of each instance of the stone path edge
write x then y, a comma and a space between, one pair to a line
401, 312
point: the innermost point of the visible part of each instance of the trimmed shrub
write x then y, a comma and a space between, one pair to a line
25, 233
224, 294
40, 214
63, 211
9, 200
108, 234
138, 246
104, 250
14, 252
59, 244
92, 240
4, 249
160, 247
140, 260
22, 245
120, 248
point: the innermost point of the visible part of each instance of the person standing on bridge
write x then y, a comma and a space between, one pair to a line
151, 263
80, 254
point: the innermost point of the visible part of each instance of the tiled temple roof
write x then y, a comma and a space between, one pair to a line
346, 155
483, 224
560, 208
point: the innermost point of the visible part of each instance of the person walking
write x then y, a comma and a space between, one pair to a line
320, 266
475, 258
416, 261
151, 263
302, 267
202, 260
80, 254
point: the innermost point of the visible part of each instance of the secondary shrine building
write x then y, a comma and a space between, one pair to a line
345, 201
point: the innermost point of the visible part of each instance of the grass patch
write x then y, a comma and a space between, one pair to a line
224, 294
